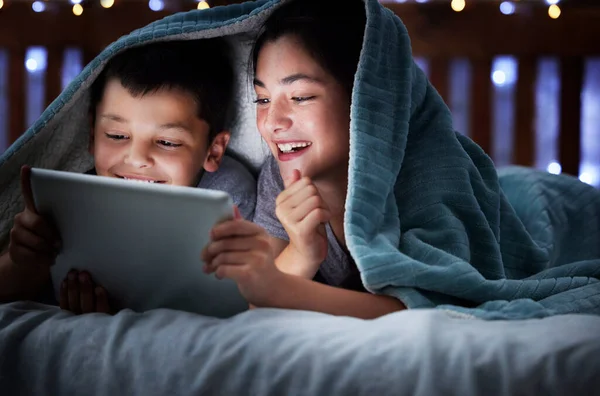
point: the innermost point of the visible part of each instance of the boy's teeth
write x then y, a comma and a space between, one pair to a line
141, 181
289, 147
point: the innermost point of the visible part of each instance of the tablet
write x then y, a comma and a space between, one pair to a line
140, 241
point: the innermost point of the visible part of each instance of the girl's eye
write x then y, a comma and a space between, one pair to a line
115, 136
261, 101
300, 99
168, 144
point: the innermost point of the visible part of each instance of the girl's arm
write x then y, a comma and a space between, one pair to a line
293, 292
288, 260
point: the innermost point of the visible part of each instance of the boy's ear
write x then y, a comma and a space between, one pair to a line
91, 139
216, 151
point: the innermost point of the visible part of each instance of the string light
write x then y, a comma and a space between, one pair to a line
38, 6
156, 5
507, 8
458, 5
554, 11
107, 3
77, 9
554, 168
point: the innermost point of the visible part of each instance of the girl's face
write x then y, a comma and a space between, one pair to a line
303, 113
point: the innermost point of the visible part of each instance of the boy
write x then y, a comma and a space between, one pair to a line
158, 114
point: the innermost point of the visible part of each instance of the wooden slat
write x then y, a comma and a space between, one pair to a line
438, 75
571, 82
16, 93
524, 139
481, 103
54, 73
88, 55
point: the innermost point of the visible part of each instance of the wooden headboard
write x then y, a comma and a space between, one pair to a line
478, 34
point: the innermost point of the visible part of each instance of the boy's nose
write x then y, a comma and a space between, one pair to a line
138, 156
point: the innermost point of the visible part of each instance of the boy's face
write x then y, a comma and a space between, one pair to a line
156, 137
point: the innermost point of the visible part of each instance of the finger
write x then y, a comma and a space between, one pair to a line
86, 293
227, 259
314, 219
236, 213
235, 244
22, 254
293, 190
102, 305
26, 188
38, 225
297, 194
237, 273
64, 296
26, 238
294, 177
235, 228
299, 213
226, 272
73, 292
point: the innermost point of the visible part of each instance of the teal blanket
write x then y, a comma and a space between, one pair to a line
429, 220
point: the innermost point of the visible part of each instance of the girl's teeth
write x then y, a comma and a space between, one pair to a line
289, 147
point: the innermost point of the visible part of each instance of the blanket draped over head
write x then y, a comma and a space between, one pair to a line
429, 220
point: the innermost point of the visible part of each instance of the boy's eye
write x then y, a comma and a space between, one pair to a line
115, 136
302, 98
261, 101
166, 143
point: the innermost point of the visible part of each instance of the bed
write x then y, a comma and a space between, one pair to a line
544, 340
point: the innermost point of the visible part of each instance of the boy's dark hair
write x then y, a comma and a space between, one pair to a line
331, 31
202, 68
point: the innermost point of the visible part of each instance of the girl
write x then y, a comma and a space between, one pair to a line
429, 220
304, 62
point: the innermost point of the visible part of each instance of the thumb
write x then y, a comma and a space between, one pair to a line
295, 176
26, 188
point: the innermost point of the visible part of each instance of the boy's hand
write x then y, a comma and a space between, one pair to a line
80, 295
34, 242
240, 251
304, 214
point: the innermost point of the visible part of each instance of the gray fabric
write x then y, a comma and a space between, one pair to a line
235, 179
338, 269
45, 351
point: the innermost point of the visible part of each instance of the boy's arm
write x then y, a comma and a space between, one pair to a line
18, 284
294, 292
10, 278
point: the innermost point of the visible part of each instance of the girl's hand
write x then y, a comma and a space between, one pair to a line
240, 250
304, 214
